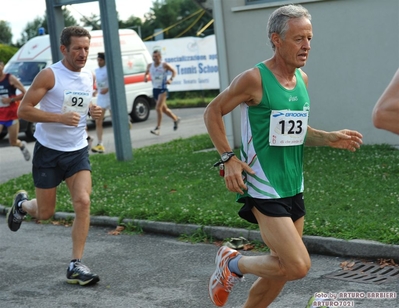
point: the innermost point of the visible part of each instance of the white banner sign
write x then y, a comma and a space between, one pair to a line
194, 59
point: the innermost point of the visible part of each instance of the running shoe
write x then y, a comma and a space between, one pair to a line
14, 215
156, 131
222, 280
89, 142
81, 274
99, 148
25, 151
176, 124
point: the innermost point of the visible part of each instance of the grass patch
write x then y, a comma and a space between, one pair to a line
189, 102
199, 236
348, 195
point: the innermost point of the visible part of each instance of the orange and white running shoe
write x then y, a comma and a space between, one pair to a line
222, 280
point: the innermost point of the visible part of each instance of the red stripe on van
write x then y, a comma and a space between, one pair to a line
135, 78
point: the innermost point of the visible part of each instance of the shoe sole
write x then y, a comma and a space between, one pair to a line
84, 283
155, 134
95, 151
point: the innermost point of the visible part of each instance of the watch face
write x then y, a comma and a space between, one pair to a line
226, 156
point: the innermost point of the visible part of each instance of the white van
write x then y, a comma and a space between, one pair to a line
35, 55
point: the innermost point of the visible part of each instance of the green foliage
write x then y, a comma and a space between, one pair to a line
5, 33
32, 27
189, 99
199, 236
132, 228
193, 94
6, 52
178, 17
348, 195
353, 195
93, 21
132, 22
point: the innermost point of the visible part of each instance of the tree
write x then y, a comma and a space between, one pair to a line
177, 17
132, 22
6, 52
93, 21
31, 29
5, 33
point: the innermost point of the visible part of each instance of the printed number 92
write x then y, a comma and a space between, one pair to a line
77, 101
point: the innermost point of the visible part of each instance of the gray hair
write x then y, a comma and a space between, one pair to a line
278, 20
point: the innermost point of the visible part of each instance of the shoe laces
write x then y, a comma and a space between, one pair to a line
80, 267
18, 217
230, 281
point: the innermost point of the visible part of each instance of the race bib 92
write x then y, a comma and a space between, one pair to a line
288, 127
76, 101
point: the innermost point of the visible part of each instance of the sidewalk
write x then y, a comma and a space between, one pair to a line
315, 244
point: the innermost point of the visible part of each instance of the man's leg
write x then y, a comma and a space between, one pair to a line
168, 112
79, 186
99, 126
265, 290
43, 207
13, 131
99, 148
159, 108
21, 206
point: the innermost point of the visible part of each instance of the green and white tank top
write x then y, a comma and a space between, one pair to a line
273, 134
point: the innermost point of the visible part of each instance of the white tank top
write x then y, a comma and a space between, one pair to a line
72, 91
103, 100
158, 76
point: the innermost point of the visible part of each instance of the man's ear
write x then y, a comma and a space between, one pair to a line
276, 39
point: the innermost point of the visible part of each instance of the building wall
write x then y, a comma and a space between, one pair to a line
355, 52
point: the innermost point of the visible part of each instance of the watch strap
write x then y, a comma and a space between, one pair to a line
220, 161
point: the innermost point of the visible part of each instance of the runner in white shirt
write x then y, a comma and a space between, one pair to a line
64, 91
103, 99
158, 71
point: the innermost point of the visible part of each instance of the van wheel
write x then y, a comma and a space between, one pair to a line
141, 110
30, 130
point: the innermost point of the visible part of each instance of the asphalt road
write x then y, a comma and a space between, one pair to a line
143, 271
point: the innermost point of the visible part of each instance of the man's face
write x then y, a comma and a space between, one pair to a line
76, 54
295, 46
156, 57
101, 62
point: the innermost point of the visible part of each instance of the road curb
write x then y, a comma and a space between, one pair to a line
315, 244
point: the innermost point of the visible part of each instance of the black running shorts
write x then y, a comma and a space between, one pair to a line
51, 167
293, 207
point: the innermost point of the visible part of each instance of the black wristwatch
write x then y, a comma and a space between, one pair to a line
225, 157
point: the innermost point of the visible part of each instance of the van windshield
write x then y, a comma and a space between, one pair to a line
25, 71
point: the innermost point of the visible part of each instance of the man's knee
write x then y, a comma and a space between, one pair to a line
298, 269
45, 213
82, 204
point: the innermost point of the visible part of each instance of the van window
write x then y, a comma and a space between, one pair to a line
25, 71
133, 64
